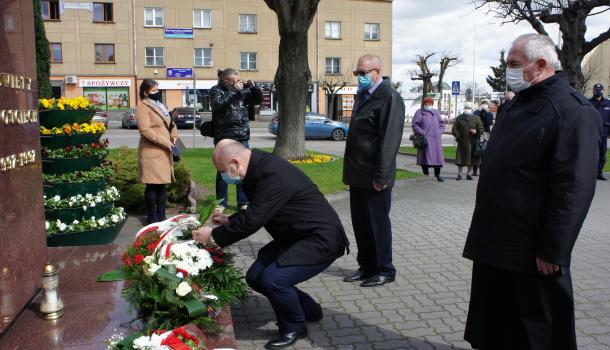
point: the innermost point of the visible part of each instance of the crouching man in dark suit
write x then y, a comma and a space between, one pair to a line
307, 233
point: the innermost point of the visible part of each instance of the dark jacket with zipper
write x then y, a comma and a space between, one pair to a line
283, 200
538, 179
375, 133
230, 111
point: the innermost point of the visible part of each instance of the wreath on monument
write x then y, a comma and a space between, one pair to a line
173, 280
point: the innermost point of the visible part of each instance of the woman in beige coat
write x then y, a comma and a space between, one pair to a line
155, 161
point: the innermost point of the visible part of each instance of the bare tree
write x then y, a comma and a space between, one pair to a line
570, 15
424, 74
332, 84
448, 59
292, 77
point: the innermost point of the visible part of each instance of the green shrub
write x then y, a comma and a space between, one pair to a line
125, 179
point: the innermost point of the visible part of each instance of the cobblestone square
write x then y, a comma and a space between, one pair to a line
426, 307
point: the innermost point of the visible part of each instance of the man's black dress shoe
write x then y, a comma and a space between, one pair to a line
285, 340
601, 177
377, 280
357, 276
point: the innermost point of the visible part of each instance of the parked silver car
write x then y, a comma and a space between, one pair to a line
129, 119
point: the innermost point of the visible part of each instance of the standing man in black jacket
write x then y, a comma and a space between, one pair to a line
307, 233
603, 107
532, 199
230, 100
370, 170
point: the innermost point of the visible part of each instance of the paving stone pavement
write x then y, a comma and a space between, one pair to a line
426, 307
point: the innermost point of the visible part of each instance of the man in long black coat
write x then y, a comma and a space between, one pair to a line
307, 233
375, 132
540, 169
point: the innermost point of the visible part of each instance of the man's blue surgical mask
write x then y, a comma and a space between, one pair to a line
231, 180
365, 82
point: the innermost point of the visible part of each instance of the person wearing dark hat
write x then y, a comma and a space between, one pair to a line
428, 122
603, 107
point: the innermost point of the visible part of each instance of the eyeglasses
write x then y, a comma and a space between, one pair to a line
360, 73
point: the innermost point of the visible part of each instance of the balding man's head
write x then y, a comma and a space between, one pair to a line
229, 155
369, 65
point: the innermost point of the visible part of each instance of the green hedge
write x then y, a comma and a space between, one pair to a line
125, 179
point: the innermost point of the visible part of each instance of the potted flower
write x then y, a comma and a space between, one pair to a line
69, 134
57, 112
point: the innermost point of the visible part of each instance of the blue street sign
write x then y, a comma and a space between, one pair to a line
179, 72
179, 33
455, 88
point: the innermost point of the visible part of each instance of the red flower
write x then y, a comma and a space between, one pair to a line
138, 259
126, 259
217, 260
159, 331
196, 288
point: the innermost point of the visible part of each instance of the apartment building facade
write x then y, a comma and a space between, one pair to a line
104, 49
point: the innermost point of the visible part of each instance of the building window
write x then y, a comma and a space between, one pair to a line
50, 10
104, 53
153, 17
333, 30
55, 52
371, 31
154, 56
203, 57
248, 61
247, 23
102, 12
333, 65
202, 18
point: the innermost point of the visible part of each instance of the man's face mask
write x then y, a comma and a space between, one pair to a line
228, 178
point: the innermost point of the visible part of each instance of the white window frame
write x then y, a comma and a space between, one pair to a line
154, 11
248, 23
332, 30
201, 14
203, 57
335, 62
368, 31
155, 57
248, 61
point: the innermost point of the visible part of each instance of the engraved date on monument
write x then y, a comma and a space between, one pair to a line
19, 160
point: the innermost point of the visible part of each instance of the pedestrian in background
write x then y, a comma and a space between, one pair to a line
603, 107
370, 170
467, 129
155, 161
532, 200
230, 99
428, 122
488, 121
508, 96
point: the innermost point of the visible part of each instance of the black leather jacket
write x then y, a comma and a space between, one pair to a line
230, 111
374, 137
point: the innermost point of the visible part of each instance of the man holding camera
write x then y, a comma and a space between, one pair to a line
230, 100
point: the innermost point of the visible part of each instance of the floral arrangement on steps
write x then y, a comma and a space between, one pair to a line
79, 207
187, 337
174, 280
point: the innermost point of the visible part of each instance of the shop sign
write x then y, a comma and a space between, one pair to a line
104, 82
179, 33
179, 72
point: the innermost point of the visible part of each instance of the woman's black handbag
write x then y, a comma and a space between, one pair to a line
419, 141
479, 147
175, 153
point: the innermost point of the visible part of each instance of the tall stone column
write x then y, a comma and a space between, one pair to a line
22, 232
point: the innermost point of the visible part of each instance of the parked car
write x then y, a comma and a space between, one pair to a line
318, 126
129, 119
183, 117
100, 116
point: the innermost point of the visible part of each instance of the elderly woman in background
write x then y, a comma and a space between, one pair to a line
428, 122
467, 129
155, 161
